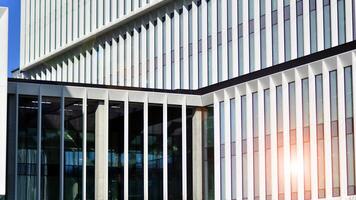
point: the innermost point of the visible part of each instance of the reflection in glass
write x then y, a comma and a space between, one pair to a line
341, 21
280, 150
256, 153
244, 147
73, 151
155, 151
306, 138
116, 150
293, 142
50, 140
233, 147
27, 148
135, 151
334, 134
190, 114
350, 155
222, 149
327, 24
268, 157
208, 153
300, 29
320, 135
313, 26
174, 139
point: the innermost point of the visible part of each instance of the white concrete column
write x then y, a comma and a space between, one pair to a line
143, 56
306, 27
224, 53
293, 29
165, 150
334, 23
238, 149
169, 55
93, 15
159, 50
87, 14
348, 20
101, 150
217, 189
128, 64
88, 67
145, 148
100, 70
204, 25
195, 43
227, 149
126, 148
94, 66
107, 63
121, 60
85, 122
197, 155
249, 132
214, 42
186, 66
261, 141
81, 67
136, 59
280, 10
246, 39
176, 49
320, 24
268, 18
184, 148
114, 62
3, 94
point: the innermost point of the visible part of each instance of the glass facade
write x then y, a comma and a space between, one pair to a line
306, 139
155, 151
116, 151
293, 141
268, 156
208, 153
320, 134
334, 134
280, 142
244, 147
136, 151
349, 129
256, 153
27, 148
73, 148
174, 127
222, 151
50, 147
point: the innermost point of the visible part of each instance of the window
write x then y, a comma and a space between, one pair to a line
208, 153
280, 150
251, 35
334, 134
320, 135
209, 44
116, 150
174, 138
274, 32
306, 138
219, 40
27, 148
293, 141
240, 38
233, 148
341, 21
263, 33
287, 33
300, 29
155, 151
222, 150
135, 150
268, 156
229, 37
50, 150
244, 147
73, 148
256, 153
313, 26
327, 24
350, 155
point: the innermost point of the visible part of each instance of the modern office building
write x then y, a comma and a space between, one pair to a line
183, 99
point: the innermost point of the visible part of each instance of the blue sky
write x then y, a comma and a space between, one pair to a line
14, 31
